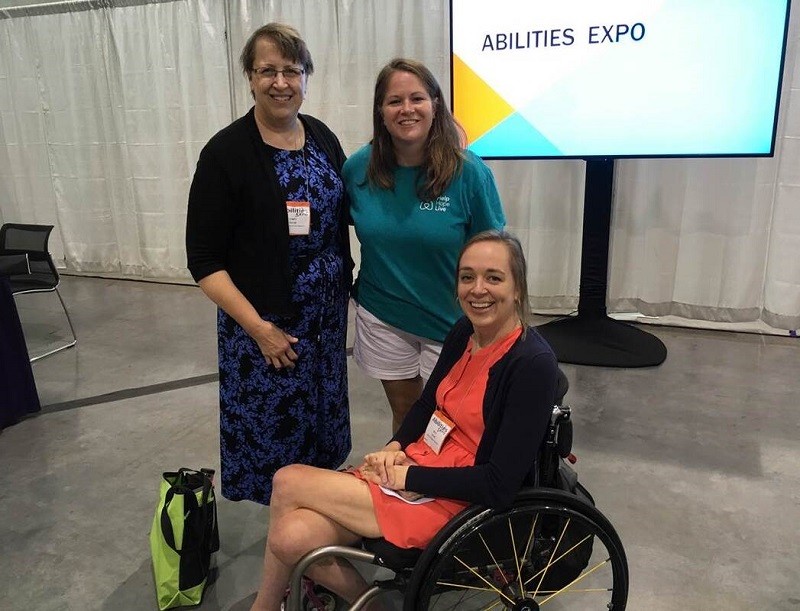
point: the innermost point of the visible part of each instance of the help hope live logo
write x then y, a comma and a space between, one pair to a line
440, 204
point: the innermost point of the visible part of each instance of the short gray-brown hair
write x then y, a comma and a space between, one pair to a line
288, 41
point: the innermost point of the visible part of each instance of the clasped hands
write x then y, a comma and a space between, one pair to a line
387, 467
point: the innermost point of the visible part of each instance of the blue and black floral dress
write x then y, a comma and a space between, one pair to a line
271, 417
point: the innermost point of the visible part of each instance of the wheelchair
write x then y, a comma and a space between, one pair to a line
552, 548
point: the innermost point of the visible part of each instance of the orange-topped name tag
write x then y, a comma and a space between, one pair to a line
439, 427
299, 214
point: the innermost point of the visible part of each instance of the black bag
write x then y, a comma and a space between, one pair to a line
568, 568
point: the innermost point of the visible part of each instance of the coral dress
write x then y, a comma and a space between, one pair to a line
460, 397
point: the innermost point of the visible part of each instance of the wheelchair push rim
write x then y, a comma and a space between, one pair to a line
548, 551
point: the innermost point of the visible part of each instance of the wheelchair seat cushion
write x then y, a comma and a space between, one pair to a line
389, 555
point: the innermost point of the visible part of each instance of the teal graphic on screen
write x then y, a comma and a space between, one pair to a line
580, 78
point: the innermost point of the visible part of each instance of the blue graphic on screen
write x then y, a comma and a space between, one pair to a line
515, 135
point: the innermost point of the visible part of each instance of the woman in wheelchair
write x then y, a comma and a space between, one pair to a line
471, 438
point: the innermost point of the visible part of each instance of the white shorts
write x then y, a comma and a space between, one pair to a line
387, 353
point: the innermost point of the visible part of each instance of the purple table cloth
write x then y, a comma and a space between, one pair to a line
18, 396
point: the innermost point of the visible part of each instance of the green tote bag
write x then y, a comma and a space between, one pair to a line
183, 537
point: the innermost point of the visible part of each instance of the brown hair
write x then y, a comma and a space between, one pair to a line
288, 41
443, 156
516, 261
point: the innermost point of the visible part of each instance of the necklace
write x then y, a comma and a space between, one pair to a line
303, 153
298, 208
499, 336
282, 139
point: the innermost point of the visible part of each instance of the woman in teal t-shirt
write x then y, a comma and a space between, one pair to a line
416, 197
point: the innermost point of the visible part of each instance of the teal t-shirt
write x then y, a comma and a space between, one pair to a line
409, 248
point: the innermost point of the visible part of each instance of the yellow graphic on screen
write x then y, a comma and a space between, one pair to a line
477, 106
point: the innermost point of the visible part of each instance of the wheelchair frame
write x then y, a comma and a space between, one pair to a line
413, 579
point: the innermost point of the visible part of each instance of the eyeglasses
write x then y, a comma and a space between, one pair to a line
289, 74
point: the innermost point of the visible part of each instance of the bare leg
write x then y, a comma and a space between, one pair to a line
401, 394
310, 508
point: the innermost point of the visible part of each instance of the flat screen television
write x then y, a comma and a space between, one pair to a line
618, 78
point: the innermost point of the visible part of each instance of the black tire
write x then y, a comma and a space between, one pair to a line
549, 547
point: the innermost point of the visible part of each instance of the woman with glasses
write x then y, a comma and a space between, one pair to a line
267, 241
416, 197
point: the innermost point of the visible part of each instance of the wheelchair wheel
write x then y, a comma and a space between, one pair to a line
549, 550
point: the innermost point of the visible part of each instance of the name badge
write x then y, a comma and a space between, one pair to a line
439, 427
299, 214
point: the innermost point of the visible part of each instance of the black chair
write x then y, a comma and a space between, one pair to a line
13, 265
550, 545
31, 240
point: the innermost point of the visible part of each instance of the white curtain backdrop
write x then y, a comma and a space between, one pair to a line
103, 112
714, 239
102, 117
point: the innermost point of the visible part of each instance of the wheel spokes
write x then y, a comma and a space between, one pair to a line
517, 560
484, 580
540, 571
576, 580
550, 561
531, 536
491, 555
555, 559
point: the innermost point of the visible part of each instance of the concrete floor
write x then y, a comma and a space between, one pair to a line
695, 462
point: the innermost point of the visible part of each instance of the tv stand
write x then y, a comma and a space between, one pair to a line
592, 337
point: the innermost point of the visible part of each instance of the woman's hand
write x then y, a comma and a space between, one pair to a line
275, 345
386, 467
396, 477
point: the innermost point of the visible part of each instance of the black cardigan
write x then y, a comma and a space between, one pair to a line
516, 411
237, 219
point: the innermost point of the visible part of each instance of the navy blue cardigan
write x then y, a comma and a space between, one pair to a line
516, 411
237, 219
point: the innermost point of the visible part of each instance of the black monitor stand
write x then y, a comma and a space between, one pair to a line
591, 337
